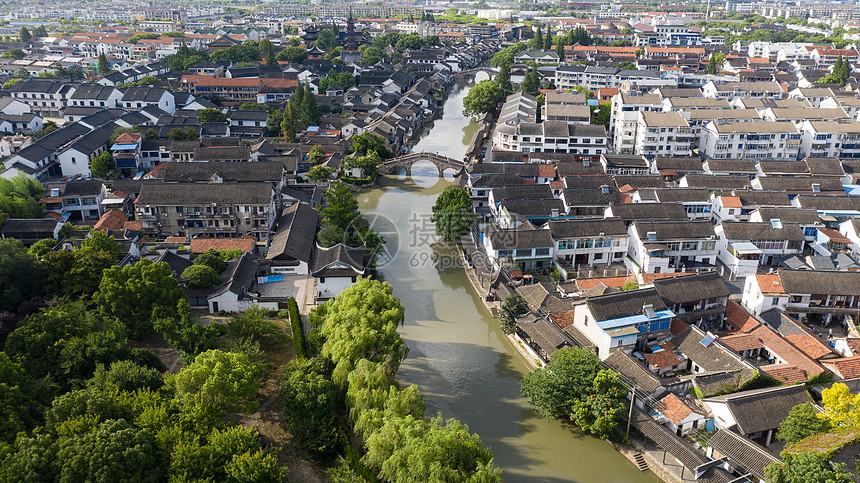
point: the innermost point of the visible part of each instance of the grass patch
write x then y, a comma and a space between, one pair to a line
826, 444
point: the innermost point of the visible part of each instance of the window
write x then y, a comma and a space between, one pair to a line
774, 301
708, 244
542, 251
689, 246
526, 252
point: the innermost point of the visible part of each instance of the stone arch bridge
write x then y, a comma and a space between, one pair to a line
393, 165
477, 74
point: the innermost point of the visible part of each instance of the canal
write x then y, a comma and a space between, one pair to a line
465, 366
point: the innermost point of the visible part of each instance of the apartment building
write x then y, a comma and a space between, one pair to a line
662, 134
830, 139
551, 137
625, 116
751, 140
235, 90
215, 210
737, 90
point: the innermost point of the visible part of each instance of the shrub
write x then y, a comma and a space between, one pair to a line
201, 276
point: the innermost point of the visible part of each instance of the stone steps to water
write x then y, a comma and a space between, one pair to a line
640, 462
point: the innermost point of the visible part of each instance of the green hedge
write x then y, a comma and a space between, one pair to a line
299, 345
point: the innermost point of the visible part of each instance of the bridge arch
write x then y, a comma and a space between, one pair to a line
478, 74
393, 165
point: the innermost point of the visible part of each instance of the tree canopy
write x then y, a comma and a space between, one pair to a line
573, 386
802, 421
452, 213
481, 99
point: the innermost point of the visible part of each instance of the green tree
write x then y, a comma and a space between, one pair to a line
310, 110
16, 54
806, 468
226, 379
841, 407
481, 99
320, 173
126, 375
21, 277
24, 35
20, 404
603, 113
293, 54
316, 155
310, 401
364, 143
537, 41
712, 65
409, 449
547, 40
212, 115
503, 80
531, 82
138, 294
74, 274
114, 451
185, 334
513, 306
630, 286
186, 133
573, 386
327, 40
452, 213
802, 421
42, 247
103, 164
212, 259
361, 323
19, 197
103, 66
201, 276
559, 48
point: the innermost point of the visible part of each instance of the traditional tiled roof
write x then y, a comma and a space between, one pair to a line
662, 359
112, 220
742, 452
741, 342
200, 245
785, 373
846, 367
739, 318
676, 409
762, 409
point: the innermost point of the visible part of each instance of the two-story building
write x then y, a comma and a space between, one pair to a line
627, 321
589, 241
815, 294
669, 247
743, 247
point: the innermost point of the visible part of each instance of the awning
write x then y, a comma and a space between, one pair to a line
745, 248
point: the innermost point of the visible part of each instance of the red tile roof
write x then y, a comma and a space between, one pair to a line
741, 342
200, 245
784, 373
731, 201
617, 282
739, 318
847, 367
769, 284
210, 81
127, 138
546, 170
777, 345
854, 345
810, 345
675, 409
662, 359
562, 319
111, 220
131, 225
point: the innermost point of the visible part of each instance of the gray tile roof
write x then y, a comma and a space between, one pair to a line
762, 231
691, 288
294, 237
169, 194
762, 409
742, 452
624, 304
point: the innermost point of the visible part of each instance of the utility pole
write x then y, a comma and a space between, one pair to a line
630, 412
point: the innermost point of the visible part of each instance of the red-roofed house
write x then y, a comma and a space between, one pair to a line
680, 413
112, 220
846, 367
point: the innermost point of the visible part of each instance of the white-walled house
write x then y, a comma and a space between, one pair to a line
851, 230
681, 415
627, 321
528, 248
589, 241
742, 247
669, 247
235, 293
802, 293
337, 268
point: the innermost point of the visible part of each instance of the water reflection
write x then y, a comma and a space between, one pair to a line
458, 357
